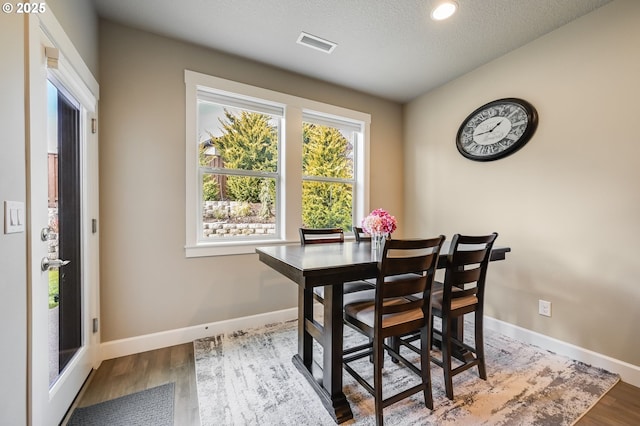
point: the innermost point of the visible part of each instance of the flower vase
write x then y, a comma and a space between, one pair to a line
377, 242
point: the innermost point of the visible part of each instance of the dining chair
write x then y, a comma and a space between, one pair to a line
328, 236
462, 292
361, 235
321, 235
406, 267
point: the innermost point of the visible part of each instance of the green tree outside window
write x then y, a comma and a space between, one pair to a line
250, 142
326, 154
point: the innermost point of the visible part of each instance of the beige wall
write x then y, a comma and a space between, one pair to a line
80, 22
568, 203
13, 247
147, 284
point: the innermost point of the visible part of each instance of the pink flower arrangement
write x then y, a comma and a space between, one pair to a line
379, 222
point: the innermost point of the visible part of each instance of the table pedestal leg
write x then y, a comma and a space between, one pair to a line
329, 386
305, 341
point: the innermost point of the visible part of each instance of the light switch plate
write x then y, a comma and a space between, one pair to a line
14, 218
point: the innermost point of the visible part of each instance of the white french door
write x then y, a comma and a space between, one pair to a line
62, 214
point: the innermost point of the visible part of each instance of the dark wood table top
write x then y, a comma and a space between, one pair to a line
320, 264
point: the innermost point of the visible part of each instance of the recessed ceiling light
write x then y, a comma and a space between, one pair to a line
444, 10
315, 42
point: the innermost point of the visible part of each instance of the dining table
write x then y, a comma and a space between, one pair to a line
329, 266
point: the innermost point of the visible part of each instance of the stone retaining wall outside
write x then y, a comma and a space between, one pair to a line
222, 229
229, 223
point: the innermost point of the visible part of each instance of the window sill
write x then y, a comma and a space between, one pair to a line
230, 248
236, 247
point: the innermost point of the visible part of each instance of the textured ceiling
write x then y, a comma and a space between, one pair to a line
388, 48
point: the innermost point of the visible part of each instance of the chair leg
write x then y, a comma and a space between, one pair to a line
378, 355
371, 356
394, 342
446, 356
482, 371
425, 365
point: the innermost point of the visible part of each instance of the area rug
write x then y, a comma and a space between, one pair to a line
150, 407
248, 378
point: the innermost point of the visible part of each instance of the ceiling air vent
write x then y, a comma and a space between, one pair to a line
316, 42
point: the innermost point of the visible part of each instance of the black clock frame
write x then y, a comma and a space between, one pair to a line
532, 124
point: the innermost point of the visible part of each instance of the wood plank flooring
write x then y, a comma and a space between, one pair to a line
129, 374
620, 406
133, 373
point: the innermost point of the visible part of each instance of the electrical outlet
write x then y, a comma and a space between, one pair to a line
544, 308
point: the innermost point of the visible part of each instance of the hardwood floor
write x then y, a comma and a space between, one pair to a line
122, 376
620, 406
133, 373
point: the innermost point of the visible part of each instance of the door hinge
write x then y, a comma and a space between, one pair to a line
95, 325
94, 226
94, 125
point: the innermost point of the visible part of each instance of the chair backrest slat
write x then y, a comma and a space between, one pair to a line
404, 265
321, 235
467, 257
361, 235
409, 283
459, 278
398, 308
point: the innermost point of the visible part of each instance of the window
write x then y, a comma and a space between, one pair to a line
260, 164
328, 171
238, 166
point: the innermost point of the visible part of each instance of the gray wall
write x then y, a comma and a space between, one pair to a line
13, 247
568, 203
147, 284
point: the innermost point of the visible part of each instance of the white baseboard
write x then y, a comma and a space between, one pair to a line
148, 342
629, 373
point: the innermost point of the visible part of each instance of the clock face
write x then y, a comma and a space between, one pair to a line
496, 129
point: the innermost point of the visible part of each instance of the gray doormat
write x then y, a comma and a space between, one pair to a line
148, 407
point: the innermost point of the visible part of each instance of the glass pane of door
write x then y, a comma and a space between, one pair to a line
64, 238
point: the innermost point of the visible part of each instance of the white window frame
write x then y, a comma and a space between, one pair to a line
289, 183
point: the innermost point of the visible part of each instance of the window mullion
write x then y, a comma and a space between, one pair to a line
291, 163
328, 179
236, 172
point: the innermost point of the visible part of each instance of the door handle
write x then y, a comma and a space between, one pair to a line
47, 263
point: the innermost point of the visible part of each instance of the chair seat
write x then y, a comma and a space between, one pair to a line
438, 293
401, 277
348, 287
364, 312
356, 296
461, 302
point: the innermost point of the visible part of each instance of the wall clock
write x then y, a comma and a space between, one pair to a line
497, 129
